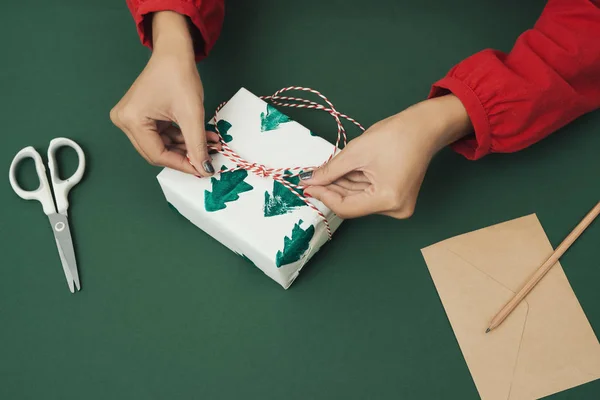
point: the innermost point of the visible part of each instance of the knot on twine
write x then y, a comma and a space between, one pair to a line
260, 170
280, 174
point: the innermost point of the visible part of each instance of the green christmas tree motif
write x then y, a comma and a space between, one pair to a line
282, 201
295, 247
272, 119
223, 127
226, 189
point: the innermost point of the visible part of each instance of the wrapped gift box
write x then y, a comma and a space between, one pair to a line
257, 217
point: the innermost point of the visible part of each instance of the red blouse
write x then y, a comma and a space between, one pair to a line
549, 78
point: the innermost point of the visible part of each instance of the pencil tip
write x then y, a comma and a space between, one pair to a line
487, 330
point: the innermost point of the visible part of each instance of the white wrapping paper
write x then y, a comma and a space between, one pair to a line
254, 216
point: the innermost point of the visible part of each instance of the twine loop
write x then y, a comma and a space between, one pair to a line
282, 174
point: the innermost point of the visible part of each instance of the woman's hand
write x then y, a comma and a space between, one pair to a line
168, 91
381, 171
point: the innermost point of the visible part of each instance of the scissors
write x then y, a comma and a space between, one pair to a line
43, 194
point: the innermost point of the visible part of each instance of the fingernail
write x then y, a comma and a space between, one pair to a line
305, 175
208, 167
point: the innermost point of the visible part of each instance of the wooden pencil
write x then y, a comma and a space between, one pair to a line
543, 269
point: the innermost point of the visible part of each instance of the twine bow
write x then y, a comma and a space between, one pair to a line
279, 174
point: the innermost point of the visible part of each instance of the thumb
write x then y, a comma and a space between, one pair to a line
346, 161
194, 135
345, 207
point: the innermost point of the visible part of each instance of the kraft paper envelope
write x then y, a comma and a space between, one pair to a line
546, 345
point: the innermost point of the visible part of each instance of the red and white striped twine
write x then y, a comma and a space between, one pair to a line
279, 174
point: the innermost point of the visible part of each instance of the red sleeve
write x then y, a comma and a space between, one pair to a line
550, 77
206, 15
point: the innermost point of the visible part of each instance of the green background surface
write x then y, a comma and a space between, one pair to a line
168, 312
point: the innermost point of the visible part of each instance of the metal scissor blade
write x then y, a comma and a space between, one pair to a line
64, 243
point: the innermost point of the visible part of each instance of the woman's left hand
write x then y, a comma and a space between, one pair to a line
381, 171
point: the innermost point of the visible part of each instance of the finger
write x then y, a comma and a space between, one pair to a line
344, 162
179, 150
195, 140
329, 197
162, 125
167, 141
176, 159
173, 136
212, 137
351, 185
174, 133
152, 145
340, 190
178, 147
214, 142
352, 206
357, 176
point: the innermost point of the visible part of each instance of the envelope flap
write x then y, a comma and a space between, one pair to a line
547, 339
470, 297
509, 252
559, 349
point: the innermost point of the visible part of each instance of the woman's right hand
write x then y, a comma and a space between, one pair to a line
168, 90
381, 171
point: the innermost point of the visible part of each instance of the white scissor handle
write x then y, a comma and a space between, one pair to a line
42, 193
62, 188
